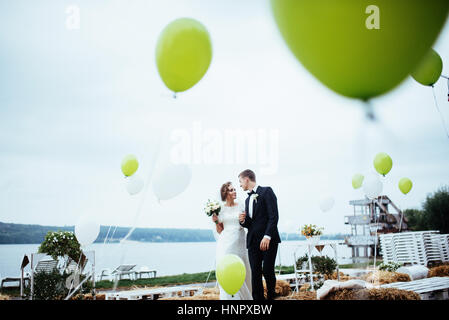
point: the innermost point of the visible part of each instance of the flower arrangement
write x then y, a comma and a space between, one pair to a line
310, 230
60, 243
212, 208
389, 266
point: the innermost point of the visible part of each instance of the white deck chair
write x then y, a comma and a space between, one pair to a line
46, 265
124, 270
144, 270
105, 274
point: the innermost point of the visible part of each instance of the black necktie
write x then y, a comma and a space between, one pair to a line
250, 193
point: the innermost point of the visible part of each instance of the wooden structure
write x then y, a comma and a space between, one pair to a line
152, 294
435, 288
371, 216
319, 245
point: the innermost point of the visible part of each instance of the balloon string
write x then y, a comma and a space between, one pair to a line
112, 236
369, 111
142, 200
104, 242
439, 111
375, 241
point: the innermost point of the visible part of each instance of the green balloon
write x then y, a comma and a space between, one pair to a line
429, 70
357, 180
231, 273
183, 54
129, 165
383, 163
405, 185
333, 40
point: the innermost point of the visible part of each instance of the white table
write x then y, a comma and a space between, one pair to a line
310, 245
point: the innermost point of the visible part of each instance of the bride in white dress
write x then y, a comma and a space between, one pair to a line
231, 239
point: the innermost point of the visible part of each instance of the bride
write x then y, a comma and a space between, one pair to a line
231, 239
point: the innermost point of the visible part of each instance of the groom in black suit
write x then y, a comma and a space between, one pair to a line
260, 218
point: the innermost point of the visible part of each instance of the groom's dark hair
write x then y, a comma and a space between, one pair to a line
248, 174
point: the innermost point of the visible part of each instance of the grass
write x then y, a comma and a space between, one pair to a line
10, 291
185, 278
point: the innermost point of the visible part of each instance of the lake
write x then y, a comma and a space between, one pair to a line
167, 258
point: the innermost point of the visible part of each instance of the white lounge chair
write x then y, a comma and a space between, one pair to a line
46, 265
124, 270
105, 274
151, 273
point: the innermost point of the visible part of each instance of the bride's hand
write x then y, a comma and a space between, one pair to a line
242, 216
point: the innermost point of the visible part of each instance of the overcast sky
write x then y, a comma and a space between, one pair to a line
74, 102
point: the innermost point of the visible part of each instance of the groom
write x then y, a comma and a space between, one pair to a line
260, 218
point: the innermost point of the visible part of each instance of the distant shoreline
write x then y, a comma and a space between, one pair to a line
12, 233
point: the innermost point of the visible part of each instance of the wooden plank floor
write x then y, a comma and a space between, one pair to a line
428, 288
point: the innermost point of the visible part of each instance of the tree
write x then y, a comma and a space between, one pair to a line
415, 219
435, 213
436, 208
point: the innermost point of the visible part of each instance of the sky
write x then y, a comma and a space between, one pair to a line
75, 99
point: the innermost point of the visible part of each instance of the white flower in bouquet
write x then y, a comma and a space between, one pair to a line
212, 208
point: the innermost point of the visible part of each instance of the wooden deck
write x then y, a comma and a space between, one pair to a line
152, 294
435, 288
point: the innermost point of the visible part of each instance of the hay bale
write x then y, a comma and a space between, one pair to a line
211, 291
372, 294
282, 288
100, 296
384, 277
197, 297
343, 277
4, 297
304, 295
305, 287
440, 271
207, 294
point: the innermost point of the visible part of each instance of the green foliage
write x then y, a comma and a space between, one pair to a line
415, 219
320, 264
48, 286
317, 284
61, 243
390, 266
185, 278
53, 285
436, 208
435, 213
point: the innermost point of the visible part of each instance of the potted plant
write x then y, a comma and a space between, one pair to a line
312, 233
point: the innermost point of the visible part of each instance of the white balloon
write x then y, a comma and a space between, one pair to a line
134, 184
372, 186
86, 231
171, 181
327, 203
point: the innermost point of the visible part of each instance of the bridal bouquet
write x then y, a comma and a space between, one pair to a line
212, 208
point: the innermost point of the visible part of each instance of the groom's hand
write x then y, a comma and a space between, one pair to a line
242, 217
264, 244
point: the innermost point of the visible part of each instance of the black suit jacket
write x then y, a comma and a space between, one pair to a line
265, 217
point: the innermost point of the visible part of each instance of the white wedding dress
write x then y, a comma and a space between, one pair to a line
232, 240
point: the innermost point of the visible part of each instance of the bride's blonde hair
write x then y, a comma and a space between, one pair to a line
224, 190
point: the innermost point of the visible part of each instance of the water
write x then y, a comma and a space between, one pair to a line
168, 258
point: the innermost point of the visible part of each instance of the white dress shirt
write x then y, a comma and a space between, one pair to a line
250, 207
